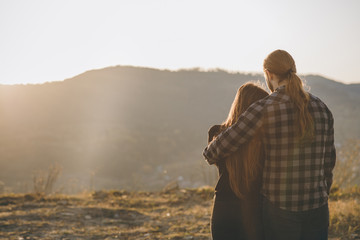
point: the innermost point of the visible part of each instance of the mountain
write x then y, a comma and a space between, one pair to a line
132, 128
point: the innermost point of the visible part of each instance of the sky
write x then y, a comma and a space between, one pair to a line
52, 40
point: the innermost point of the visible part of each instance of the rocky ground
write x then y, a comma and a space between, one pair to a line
176, 214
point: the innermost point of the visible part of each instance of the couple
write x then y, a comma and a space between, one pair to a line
275, 154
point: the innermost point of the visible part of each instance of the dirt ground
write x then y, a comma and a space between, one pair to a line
178, 214
183, 214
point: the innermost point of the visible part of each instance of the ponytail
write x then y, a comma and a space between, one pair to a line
294, 88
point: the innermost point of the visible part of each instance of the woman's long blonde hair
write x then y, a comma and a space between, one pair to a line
281, 63
244, 165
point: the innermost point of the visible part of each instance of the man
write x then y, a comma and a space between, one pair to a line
299, 152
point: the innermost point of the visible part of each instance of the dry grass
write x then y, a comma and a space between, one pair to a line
180, 214
176, 214
45, 184
345, 213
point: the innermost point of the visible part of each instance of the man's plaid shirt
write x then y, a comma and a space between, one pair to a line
296, 176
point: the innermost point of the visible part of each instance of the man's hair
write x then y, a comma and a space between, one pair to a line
281, 63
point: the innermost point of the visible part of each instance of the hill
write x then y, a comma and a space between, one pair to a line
132, 128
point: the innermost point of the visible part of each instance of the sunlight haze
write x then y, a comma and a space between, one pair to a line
54, 40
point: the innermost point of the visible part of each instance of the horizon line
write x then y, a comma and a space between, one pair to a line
188, 69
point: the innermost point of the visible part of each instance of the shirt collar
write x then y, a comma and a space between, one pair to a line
280, 89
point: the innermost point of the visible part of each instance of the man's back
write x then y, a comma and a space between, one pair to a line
297, 173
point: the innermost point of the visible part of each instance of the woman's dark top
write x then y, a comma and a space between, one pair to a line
223, 190
235, 218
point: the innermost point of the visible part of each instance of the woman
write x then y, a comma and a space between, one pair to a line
237, 205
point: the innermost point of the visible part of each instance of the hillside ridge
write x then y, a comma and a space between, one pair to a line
133, 128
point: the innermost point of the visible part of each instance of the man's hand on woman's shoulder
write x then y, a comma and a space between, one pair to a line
213, 132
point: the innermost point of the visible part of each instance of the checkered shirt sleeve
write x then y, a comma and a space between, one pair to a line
242, 131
